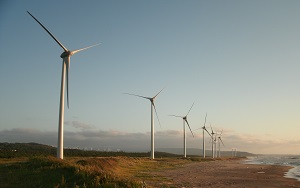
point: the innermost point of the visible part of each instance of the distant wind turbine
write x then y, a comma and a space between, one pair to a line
66, 55
152, 119
219, 144
234, 152
184, 118
215, 145
204, 129
212, 142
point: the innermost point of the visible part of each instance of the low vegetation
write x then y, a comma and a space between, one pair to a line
52, 172
35, 165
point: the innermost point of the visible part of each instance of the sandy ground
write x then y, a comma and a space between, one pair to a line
225, 173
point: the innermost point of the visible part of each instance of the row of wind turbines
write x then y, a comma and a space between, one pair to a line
66, 56
214, 138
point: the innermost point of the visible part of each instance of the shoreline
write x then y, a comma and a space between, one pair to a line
288, 174
227, 173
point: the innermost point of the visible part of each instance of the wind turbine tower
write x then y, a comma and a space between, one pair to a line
233, 153
66, 56
219, 142
212, 142
152, 99
204, 129
215, 145
184, 118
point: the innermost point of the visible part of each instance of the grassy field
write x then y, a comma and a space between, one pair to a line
85, 171
82, 168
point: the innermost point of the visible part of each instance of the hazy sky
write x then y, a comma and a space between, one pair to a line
238, 60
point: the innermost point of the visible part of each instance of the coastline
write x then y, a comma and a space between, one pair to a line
293, 172
230, 172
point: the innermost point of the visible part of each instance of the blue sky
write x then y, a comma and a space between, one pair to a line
238, 60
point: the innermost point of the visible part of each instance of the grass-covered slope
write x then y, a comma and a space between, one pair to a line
52, 172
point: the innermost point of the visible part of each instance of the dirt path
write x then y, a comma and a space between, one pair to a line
224, 173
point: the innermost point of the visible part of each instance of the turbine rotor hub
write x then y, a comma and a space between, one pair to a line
65, 54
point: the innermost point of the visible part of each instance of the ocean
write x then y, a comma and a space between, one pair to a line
285, 160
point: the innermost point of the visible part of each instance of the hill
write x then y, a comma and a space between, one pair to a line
12, 150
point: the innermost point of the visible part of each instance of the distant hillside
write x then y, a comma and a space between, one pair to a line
10, 150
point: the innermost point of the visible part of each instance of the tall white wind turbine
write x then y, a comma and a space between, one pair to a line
152, 119
212, 142
66, 55
204, 129
184, 118
219, 143
215, 145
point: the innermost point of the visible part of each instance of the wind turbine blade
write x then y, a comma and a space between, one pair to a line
67, 62
207, 132
156, 113
221, 132
176, 116
137, 95
48, 32
212, 131
189, 127
205, 120
221, 141
75, 51
190, 108
158, 93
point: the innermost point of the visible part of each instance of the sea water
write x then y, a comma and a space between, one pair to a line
285, 160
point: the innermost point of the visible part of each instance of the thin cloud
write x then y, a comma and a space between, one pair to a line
79, 125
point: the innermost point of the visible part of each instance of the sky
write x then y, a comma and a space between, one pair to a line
237, 60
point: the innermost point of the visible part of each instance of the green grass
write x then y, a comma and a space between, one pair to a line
91, 172
49, 172
34, 165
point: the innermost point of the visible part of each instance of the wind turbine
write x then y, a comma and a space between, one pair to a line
220, 140
212, 142
234, 152
184, 118
152, 119
66, 56
204, 129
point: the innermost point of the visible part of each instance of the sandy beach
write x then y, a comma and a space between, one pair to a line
226, 173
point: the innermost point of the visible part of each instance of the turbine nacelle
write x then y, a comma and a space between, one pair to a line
66, 54
152, 100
